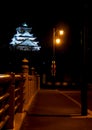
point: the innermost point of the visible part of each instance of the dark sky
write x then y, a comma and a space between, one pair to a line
41, 15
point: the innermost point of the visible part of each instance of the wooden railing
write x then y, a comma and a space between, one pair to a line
18, 99
6, 101
11, 98
16, 91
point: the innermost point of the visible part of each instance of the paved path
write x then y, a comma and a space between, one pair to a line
52, 110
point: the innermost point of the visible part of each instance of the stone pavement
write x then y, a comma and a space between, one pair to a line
52, 110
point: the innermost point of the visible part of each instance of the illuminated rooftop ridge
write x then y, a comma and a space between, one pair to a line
24, 39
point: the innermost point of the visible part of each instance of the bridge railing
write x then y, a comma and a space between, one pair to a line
31, 87
6, 101
16, 93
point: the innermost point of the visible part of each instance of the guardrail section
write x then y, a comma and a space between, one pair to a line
6, 101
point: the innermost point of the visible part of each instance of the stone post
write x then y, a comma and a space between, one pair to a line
25, 70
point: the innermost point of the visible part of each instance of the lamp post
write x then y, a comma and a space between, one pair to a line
84, 39
53, 43
56, 40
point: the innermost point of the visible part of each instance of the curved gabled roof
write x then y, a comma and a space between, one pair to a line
24, 38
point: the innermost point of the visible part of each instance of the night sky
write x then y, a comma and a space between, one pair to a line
42, 16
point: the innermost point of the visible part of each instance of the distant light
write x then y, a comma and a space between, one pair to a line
58, 40
64, 83
53, 62
24, 24
61, 32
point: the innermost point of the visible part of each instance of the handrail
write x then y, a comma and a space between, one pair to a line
15, 92
17, 89
4, 122
5, 78
3, 97
17, 77
6, 100
16, 98
4, 109
16, 107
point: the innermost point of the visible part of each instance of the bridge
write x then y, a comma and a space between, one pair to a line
22, 97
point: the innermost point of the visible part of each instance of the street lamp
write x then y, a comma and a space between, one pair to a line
56, 40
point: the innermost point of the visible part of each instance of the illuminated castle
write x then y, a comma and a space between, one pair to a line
24, 40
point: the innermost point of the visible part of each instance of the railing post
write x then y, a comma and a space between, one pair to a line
25, 69
33, 70
38, 81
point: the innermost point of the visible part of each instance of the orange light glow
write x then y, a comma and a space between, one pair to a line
61, 32
58, 40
